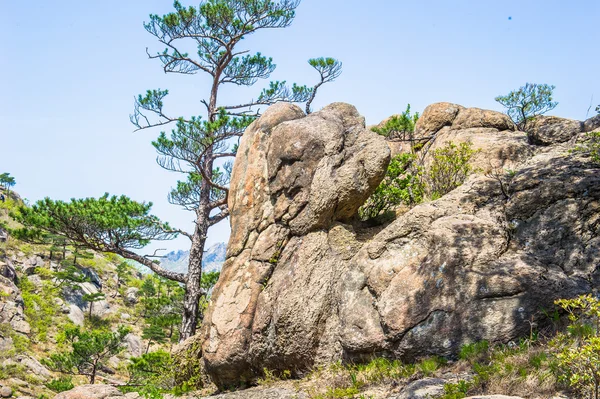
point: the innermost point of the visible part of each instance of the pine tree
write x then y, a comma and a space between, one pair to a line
197, 147
88, 351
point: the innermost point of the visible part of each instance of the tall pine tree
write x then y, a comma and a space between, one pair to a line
199, 146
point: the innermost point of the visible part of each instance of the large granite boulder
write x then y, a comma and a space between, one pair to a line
294, 177
546, 130
303, 284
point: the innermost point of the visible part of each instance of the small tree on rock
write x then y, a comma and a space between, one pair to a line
93, 298
528, 102
88, 351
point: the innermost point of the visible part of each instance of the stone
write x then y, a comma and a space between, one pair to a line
427, 388
3, 235
6, 392
546, 130
74, 296
493, 397
12, 307
34, 366
435, 117
494, 149
76, 315
294, 175
31, 264
303, 285
481, 118
261, 393
8, 271
134, 346
592, 124
131, 295
96, 391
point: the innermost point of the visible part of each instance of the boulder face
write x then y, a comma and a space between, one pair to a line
305, 285
547, 130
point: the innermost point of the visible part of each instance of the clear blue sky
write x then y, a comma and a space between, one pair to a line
70, 69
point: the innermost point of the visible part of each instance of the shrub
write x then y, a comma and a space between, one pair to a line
60, 384
579, 349
591, 146
408, 182
529, 101
401, 184
399, 127
449, 169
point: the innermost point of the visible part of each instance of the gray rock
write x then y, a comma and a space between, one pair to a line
592, 124
134, 346
12, 307
3, 235
31, 264
259, 393
97, 391
8, 271
92, 276
34, 366
546, 130
6, 392
423, 389
131, 295
76, 315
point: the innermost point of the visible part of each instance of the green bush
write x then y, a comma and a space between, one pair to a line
408, 182
449, 169
529, 101
399, 127
578, 351
591, 146
41, 309
60, 384
474, 352
401, 184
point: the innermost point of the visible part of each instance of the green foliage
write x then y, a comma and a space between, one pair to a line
474, 352
449, 169
106, 224
60, 384
408, 182
528, 102
430, 365
399, 127
579, 349
87, 351
591, 146
41, 309
209, 279
152, 373
7, 181
401, 184
161, 304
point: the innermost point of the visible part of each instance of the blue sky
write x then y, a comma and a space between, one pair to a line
70, 69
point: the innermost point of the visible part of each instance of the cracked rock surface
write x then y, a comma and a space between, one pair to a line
302, 285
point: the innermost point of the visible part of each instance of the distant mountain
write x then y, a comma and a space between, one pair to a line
214, 257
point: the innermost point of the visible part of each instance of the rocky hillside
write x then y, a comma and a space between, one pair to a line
305, 284
44, 291
213, 259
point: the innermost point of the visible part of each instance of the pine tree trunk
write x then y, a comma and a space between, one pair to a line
193, 290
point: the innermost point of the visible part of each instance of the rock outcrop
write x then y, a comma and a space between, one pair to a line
304, 285
12, 308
